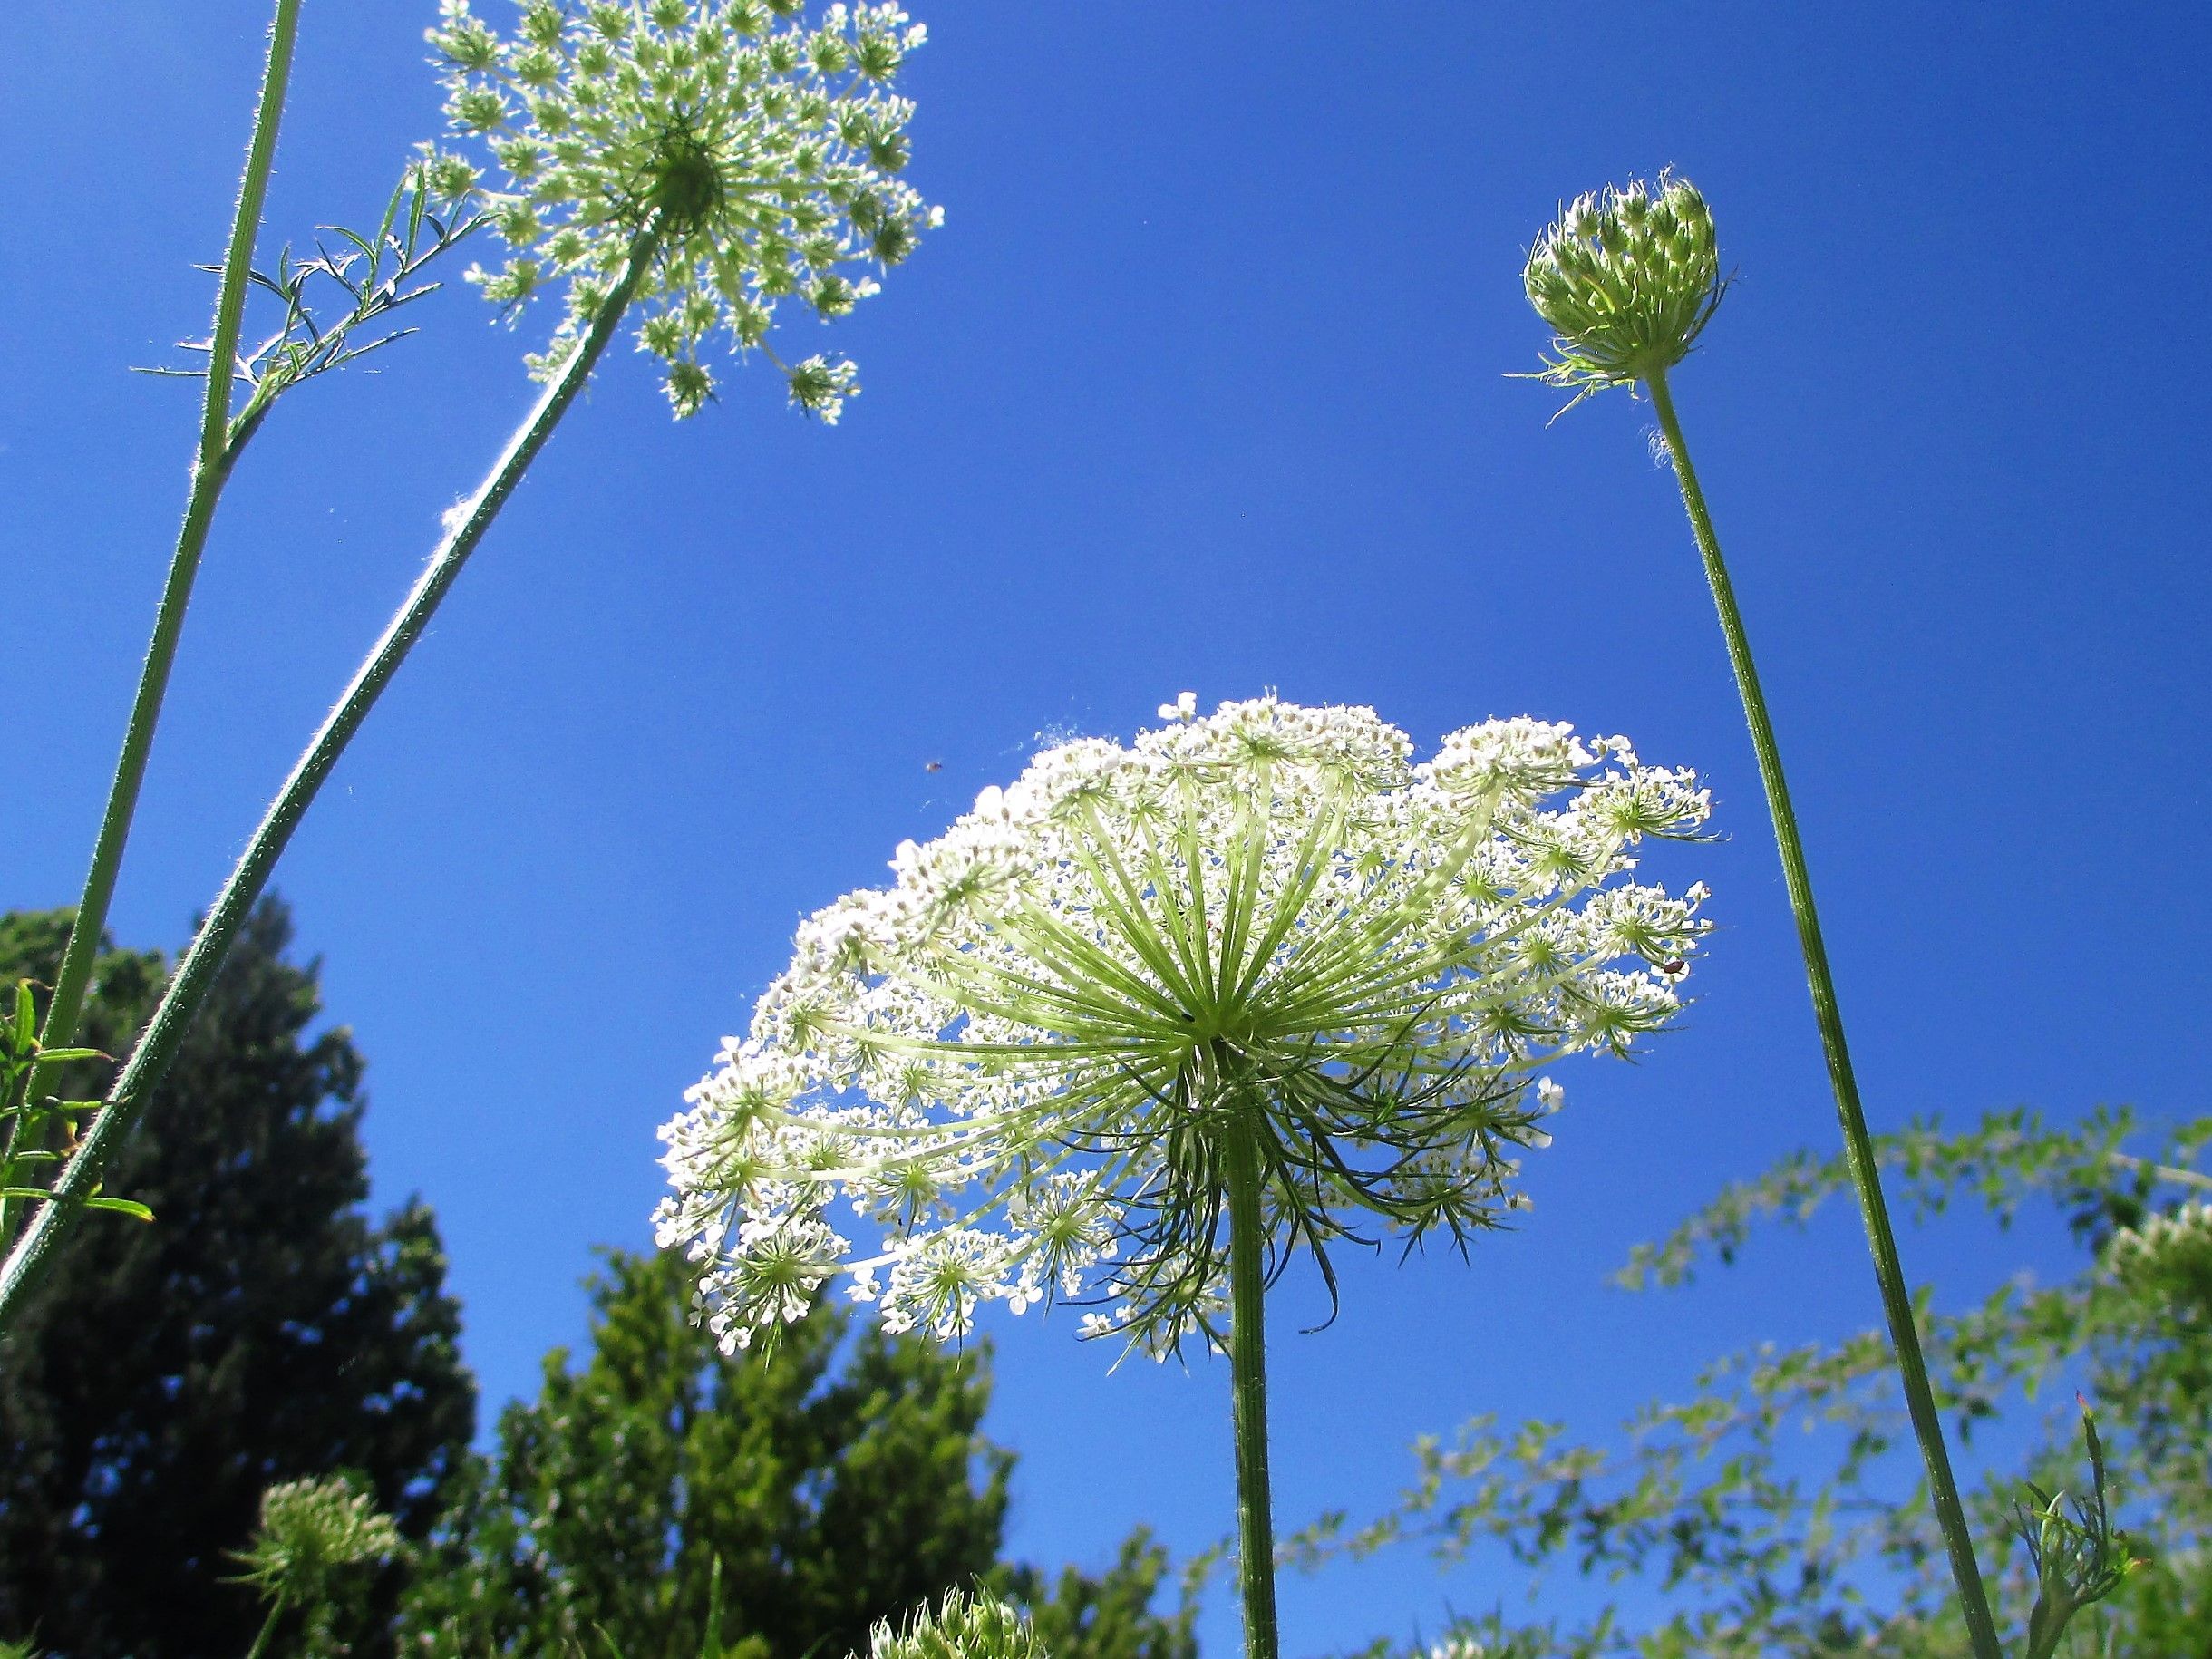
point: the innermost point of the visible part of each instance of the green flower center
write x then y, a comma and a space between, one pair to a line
687, 186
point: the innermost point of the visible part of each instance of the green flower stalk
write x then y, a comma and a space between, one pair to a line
211, 464
378, 275
1628, 281
1149, 1023
715, 157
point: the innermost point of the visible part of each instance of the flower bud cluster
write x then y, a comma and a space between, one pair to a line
310, 1530
962, 1626
761, 148
1627, 279
1015, 1066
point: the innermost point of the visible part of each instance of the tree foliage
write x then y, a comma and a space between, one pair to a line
259, 1329
840, 1483
1709, 1501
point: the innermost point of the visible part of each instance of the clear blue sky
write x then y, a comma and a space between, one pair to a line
1200, 387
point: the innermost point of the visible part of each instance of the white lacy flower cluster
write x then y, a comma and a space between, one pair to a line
2169, 1253
1015, 1066
763, 146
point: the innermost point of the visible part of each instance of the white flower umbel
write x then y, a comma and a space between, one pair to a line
764, 145
1018, 1073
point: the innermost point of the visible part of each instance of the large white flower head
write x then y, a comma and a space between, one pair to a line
764, 146
1015, 1068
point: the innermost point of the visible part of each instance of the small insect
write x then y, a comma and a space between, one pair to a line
1676, 967
933, 766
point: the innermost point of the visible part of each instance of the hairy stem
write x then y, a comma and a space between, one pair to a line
188, 989
1859, 1145
218, 453
1249, 1386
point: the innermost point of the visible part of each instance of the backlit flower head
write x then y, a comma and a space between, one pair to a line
764, 144
1008, 1072
1627, 279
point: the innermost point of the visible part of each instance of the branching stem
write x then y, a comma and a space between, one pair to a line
188, 989
218, 453
1859, 1145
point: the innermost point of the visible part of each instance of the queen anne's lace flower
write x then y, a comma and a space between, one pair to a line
1627, 279
1015, 1066
762, 146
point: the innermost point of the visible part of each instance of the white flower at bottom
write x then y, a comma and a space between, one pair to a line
1019, 1063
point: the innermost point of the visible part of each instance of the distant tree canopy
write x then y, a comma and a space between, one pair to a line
261, 1328
1708, 1499
820, 1492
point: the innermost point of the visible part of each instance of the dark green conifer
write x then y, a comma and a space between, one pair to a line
261, 1328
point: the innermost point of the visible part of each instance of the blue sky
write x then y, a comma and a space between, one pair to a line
1201, 386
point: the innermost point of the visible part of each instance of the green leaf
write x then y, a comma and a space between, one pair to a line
711, 1648
121, 1207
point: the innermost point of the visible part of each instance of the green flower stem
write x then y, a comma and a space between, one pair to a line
204, 957
268, 1629
1859, 1146
220, 443
1249, 1386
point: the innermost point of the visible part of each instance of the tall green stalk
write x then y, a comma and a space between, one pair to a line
1859, 1145
188, 989
219, 444
1248, 1387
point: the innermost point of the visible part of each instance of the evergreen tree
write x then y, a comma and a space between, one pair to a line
259, 1329
825, 1495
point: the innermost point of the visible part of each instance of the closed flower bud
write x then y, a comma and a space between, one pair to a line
1627, 281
